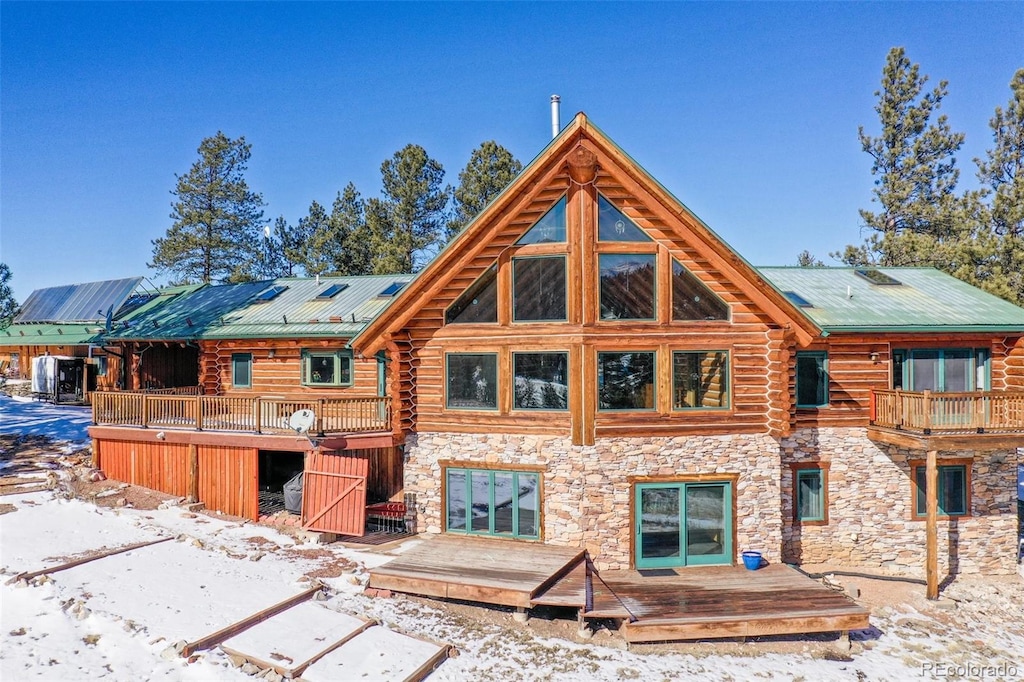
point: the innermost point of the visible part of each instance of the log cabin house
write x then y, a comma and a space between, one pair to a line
214, 379
589, 365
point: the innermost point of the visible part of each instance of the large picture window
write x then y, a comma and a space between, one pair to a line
941, 370
615, 226
490, 502
625, 381
541, 381
538, 289
473, 381
628, 285
692, 299
953, 491
700, 379
812, 379
327, 368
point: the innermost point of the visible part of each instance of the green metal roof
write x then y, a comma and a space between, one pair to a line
299, 311
925, 300
185, 316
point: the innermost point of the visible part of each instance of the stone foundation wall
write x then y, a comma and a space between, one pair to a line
586, 491
870, 508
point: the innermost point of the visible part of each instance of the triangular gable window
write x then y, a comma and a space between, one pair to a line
614, 226
691, 298
478, 303
550, 229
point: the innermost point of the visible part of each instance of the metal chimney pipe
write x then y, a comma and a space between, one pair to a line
556, 124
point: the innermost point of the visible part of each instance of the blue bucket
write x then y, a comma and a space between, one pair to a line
752, 560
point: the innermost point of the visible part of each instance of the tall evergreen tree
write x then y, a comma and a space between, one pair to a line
8, 305
348, 241
405, 224
1002, 174
913, 160
270, 260
490, 169
217, 219
302, 250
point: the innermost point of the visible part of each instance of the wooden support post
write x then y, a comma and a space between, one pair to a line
199, 413
145, 410
932, 524
193, 473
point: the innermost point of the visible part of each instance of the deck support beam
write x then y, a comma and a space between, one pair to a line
193, 473
931, 524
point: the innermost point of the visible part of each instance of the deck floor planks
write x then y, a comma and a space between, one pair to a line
476, 569
570, 590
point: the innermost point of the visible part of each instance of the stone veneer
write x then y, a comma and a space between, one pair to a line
870, 504
586, 495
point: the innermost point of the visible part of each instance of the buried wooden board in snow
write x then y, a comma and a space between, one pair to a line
379, 654
290, 640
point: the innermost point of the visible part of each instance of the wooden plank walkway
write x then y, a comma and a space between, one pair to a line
484, 570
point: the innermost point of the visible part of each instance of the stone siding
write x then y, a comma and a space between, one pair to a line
870, 508
586, 491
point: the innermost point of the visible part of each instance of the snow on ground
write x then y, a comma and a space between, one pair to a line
32, 417
113, 618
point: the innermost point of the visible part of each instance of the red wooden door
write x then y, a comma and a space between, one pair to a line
334, 492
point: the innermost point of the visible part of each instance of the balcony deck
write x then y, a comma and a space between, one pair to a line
185, 409
947, 421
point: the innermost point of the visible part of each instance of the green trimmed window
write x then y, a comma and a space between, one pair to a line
326, 368
625, 381
241, 370
550, 229
615, 226
692, 299
628, 285
538, 289
491, 502
541, 381
952, 494
810, 494
811, 379
472, 380
941, 369
700, 380
102, 365
478, 303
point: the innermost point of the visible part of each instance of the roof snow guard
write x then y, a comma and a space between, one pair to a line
87, 302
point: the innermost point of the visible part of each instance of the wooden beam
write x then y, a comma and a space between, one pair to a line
79, 562
216, 638
931, 524
193, 473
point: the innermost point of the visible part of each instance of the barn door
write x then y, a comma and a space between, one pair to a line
334, 492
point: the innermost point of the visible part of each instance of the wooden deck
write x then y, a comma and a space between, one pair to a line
502, 572
705, 602
721, 601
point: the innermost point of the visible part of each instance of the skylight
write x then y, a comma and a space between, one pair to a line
392, 289
877, 277
798, 299
270, 294
332, 291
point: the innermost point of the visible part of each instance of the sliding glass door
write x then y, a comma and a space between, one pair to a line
682, 524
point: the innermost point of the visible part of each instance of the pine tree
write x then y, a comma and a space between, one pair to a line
347, 243
405, 225
8, 305
1002, 173
270, 260
806, 259
921, 217
302, 248
217, 219
490, 169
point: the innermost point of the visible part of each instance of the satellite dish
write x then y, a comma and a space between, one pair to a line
301, 421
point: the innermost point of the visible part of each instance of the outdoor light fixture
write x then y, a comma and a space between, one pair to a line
873, 355
270, 353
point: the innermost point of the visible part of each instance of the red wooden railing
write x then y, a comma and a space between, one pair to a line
928, 412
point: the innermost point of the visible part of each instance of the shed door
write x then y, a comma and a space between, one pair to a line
334, 492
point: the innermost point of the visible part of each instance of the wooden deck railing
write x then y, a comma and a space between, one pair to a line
239, 414
927, 412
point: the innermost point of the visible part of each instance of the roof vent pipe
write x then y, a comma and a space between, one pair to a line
318, 279
556, 124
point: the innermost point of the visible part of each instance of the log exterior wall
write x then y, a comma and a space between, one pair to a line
280, 375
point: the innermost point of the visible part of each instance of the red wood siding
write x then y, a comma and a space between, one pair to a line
229, 479
158, 466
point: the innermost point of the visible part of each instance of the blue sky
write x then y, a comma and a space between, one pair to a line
747, 112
